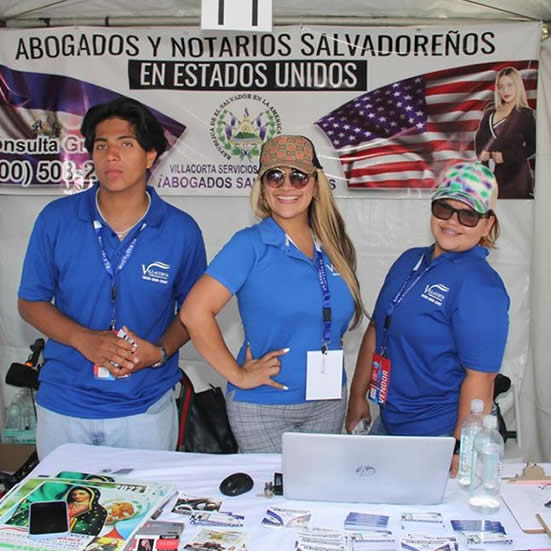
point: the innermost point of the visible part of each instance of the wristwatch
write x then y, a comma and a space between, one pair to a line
164, 356
457, 447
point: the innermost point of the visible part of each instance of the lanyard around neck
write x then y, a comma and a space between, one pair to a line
325, 292
109, 267
326, 301
413, 278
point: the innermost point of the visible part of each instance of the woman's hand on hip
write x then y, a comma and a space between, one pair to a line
358, 409
256, 372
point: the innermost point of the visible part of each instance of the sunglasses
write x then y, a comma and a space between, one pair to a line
466, 217
276, 177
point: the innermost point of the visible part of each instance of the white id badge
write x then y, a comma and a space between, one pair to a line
324, 375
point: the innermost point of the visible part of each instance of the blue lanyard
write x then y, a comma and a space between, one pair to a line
326, 304
416, 274
109, 267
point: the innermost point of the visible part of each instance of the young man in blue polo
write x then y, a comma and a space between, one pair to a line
104, 275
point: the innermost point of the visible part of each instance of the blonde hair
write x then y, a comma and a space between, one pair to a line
514, 74
329, 229
489, 241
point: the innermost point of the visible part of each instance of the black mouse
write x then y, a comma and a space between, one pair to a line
236, 484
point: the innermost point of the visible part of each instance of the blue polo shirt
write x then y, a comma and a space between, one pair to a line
64, 263
280, 302
455, 317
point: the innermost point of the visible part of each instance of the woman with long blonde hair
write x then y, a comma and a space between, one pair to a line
294, 277
506, 137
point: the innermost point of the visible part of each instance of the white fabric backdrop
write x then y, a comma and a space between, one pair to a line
536, 398
381, 229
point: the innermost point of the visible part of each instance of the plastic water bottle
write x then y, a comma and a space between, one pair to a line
13, 416
25, 400
487, 467
20, 413
472, 425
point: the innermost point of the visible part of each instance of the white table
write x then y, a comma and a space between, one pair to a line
200, 475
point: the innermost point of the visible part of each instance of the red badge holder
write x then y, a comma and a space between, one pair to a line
379, 379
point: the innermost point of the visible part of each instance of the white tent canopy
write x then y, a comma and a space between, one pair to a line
533, 411
171, 12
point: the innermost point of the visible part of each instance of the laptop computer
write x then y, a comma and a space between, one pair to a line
403, 470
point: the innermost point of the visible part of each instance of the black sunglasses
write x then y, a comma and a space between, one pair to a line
466, 217
276, 177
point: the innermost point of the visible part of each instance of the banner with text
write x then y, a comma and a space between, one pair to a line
387, 108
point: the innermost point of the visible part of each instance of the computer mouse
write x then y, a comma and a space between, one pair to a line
236, 484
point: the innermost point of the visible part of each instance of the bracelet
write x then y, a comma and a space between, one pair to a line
457, 447
164, 356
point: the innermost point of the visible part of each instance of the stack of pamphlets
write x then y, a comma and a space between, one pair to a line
422, 542
104, 513
205, 511
320, 539
380, 540
215, 540
365, 521
217, 518
323, 539
422, 522
483, 533
287, 518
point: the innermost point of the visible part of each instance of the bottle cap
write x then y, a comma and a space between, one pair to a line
477, 405
489, 422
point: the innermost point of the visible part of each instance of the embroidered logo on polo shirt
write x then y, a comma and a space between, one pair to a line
435, 293
157, 272
332, 269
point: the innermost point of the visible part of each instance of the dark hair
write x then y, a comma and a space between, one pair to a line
149, 132
70, 497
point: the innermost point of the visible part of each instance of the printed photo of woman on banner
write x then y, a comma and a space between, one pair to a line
506, 138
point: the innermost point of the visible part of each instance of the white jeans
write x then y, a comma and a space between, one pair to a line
155, 429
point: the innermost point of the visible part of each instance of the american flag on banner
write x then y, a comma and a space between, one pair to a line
405, 134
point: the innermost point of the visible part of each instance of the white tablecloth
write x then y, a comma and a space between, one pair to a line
201, 474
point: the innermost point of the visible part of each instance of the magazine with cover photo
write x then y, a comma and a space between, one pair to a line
104, 513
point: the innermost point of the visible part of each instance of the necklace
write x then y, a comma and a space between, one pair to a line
122, 234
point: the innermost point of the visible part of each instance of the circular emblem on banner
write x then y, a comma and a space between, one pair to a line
241, 124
